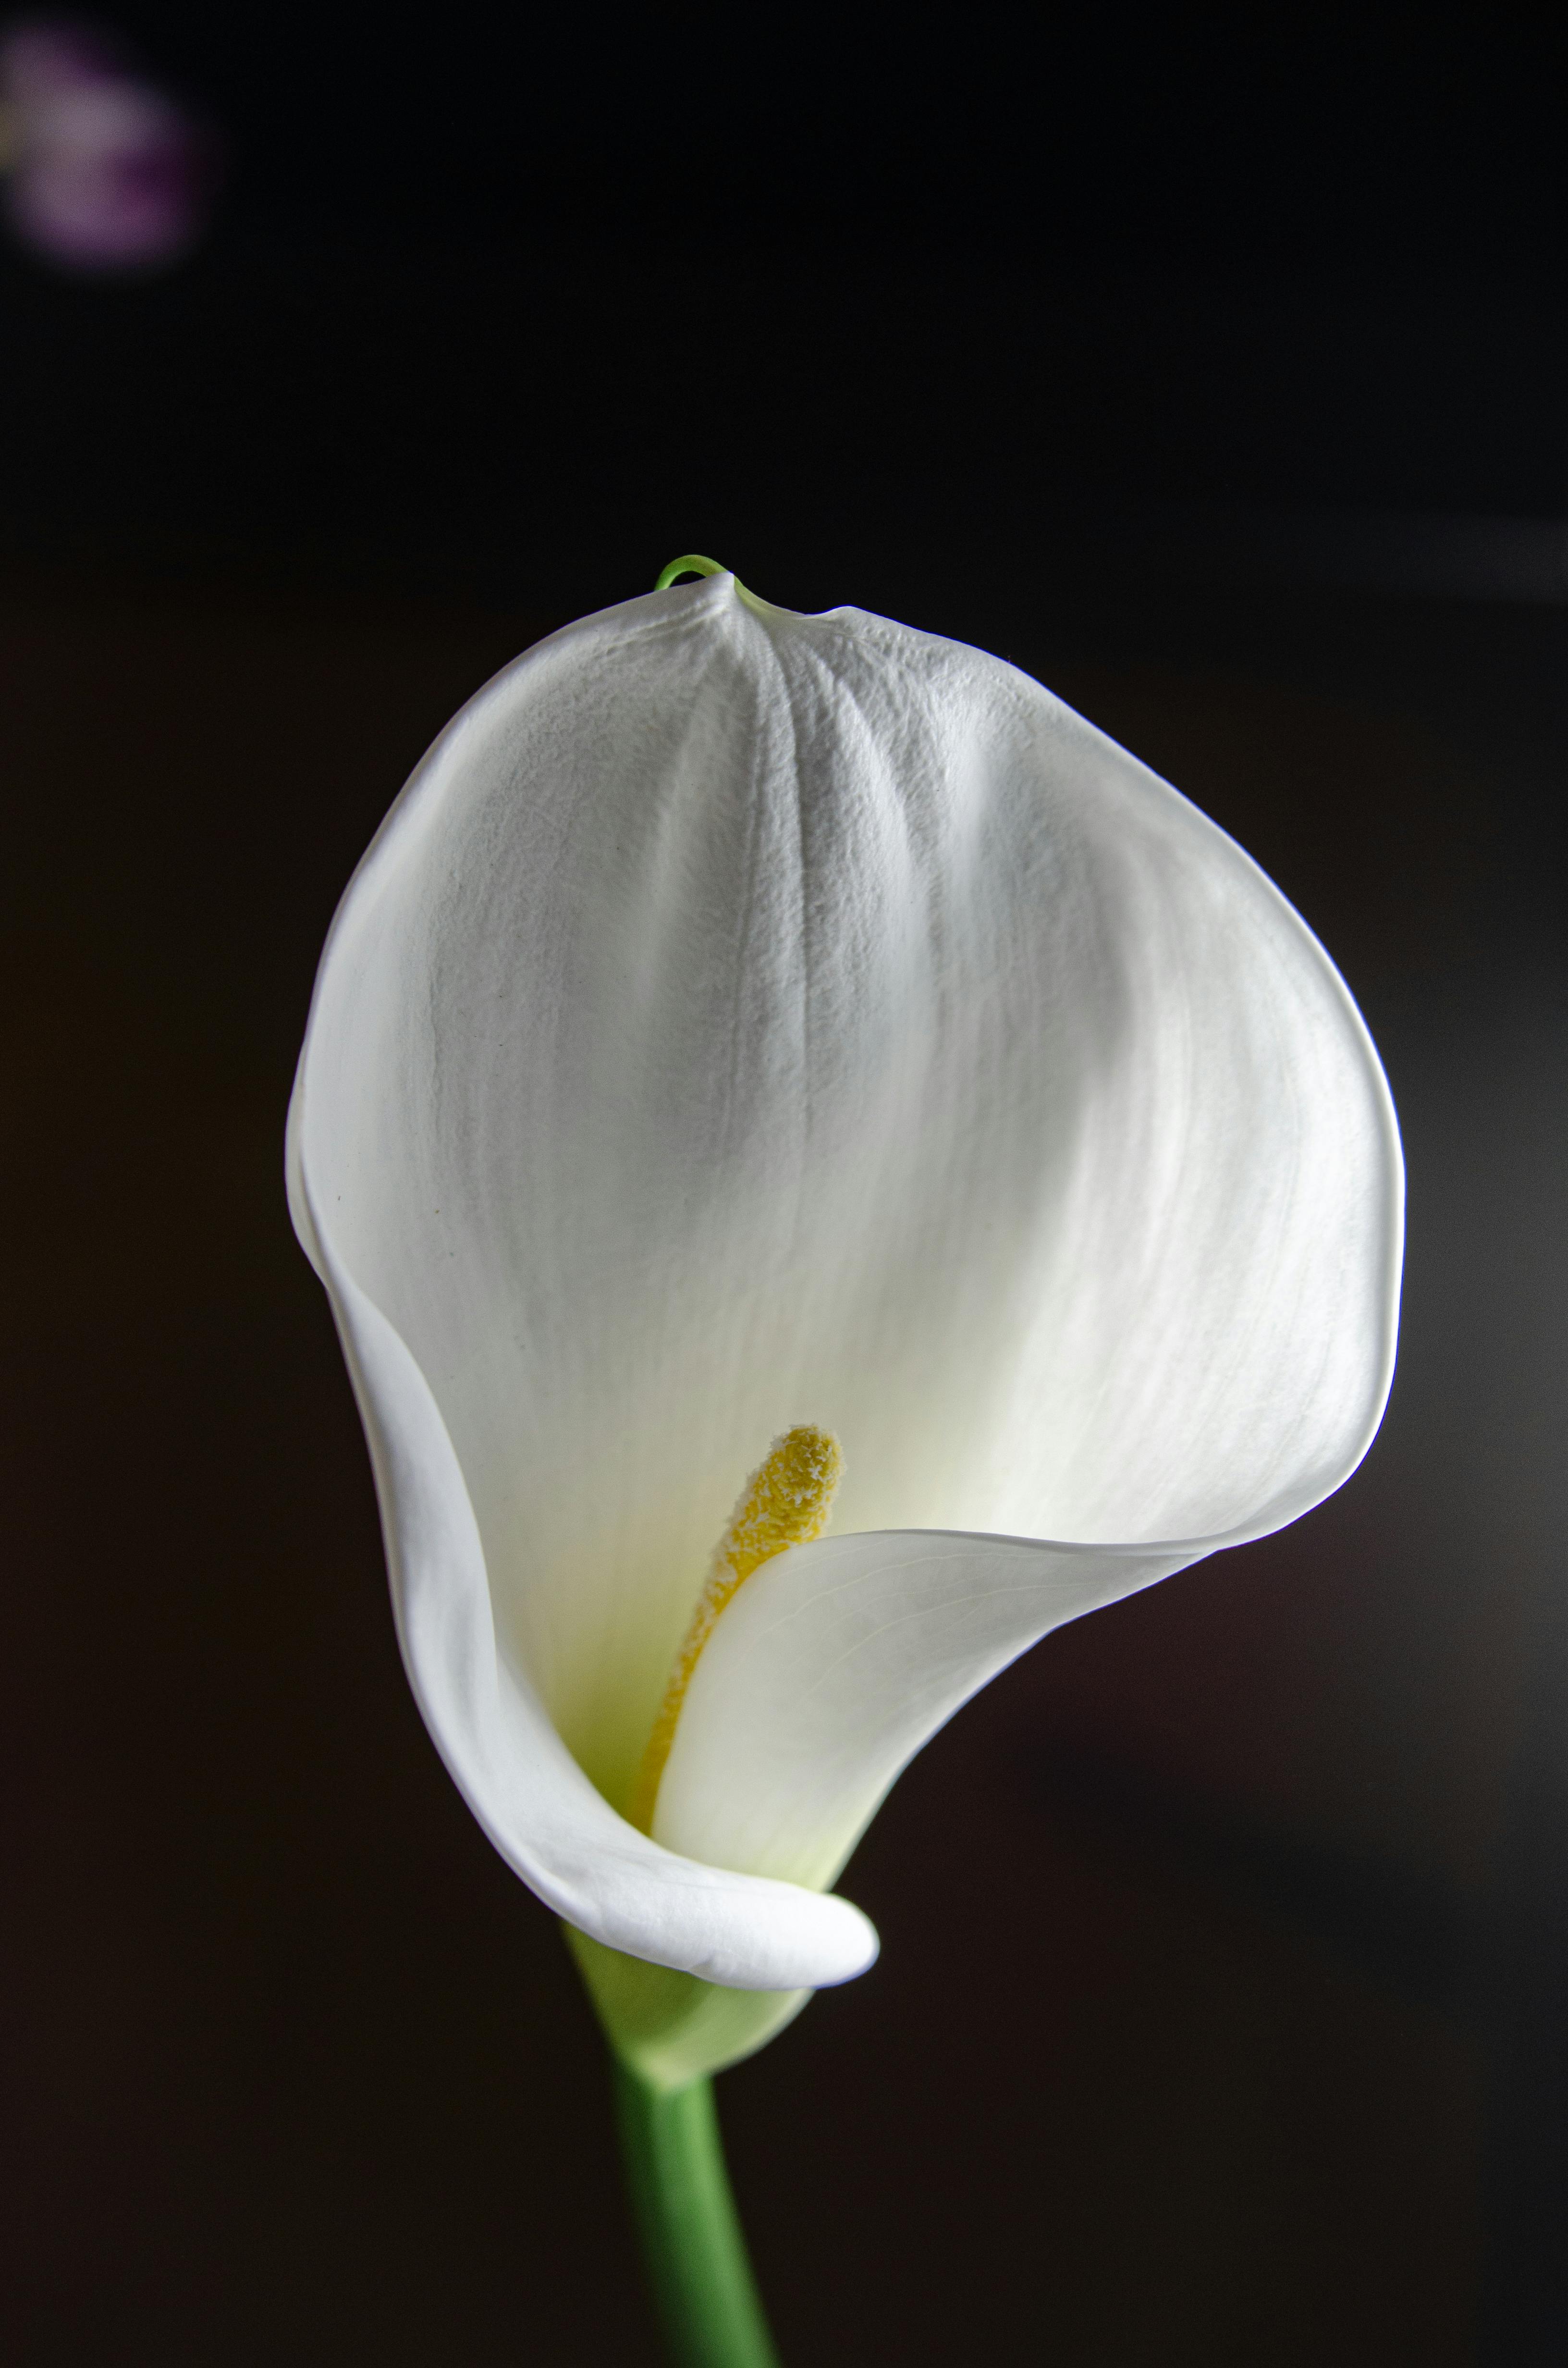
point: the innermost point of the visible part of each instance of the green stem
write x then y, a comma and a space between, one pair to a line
692, 2243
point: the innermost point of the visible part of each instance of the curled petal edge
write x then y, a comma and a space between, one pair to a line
838, 1661
553, 1829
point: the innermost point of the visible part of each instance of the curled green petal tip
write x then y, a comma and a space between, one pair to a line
692, 563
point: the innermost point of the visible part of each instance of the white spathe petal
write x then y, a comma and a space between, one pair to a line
517, 1777
836, 1661
745, 1019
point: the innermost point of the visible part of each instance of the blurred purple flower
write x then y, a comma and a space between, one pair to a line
106, 172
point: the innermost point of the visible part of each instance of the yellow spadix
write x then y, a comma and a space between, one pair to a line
785, 1502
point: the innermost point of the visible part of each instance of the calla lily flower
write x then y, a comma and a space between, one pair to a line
745, 1021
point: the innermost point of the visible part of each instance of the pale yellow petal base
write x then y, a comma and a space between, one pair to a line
671, 2028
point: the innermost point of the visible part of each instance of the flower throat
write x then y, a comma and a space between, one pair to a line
785, 1502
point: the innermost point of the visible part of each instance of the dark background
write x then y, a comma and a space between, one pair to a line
1217, 374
